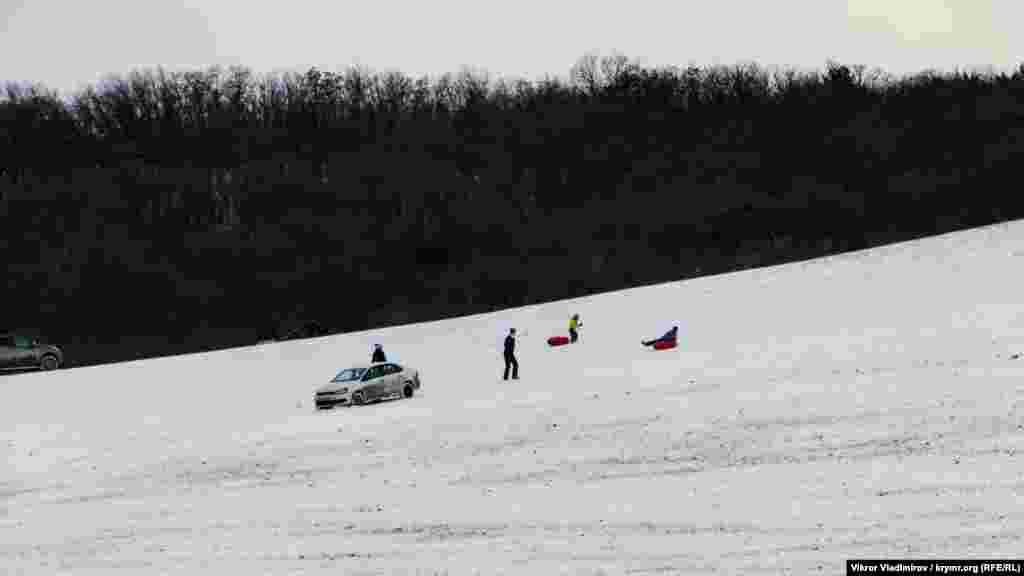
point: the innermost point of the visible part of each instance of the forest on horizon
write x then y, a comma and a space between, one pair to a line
166, 212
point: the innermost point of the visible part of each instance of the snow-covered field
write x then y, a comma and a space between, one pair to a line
865, 405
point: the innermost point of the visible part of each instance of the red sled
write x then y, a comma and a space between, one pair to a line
558, 340
664, 344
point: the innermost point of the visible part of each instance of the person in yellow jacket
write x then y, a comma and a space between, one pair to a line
574, 326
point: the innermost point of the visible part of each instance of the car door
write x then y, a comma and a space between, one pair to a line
394, 379
24, 352
376, 380
388, 380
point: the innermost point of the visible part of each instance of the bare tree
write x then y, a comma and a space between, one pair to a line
616, 66
395, 91
586, 74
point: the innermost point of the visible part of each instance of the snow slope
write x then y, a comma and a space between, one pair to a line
865, 405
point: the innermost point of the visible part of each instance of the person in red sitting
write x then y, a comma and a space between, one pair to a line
670, 336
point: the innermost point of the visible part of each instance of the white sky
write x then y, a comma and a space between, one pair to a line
65, 43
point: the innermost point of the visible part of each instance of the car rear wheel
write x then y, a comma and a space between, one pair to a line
357, 399
407, 391
49, 362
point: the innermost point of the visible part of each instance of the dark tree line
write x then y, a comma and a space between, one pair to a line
170, 212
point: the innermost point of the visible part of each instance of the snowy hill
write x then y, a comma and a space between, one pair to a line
864, 405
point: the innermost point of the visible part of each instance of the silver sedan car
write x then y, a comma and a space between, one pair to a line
364, 384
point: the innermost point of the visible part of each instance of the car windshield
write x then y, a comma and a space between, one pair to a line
349, 374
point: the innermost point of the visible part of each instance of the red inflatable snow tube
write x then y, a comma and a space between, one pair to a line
558, 340
664, 344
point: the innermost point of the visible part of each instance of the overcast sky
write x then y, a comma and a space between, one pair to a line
65, 43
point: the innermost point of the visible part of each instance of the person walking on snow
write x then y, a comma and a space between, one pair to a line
669, 336
510, 355
378, 354
574, 325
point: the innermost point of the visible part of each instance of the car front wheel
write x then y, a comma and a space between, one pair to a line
49, 362
407, 391
357, 399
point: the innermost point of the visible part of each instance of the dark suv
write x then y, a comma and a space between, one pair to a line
23, 353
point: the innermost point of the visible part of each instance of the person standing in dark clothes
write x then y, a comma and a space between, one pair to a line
510, 355
378, 354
